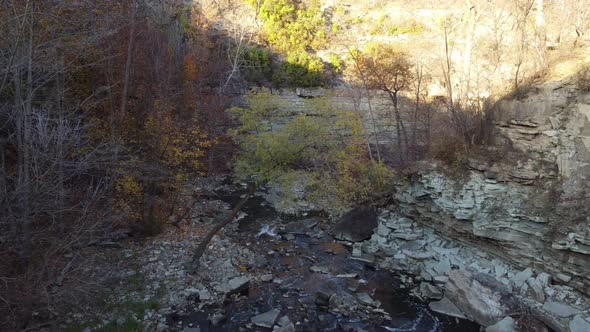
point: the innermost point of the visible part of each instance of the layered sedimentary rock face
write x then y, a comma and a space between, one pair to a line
529, 204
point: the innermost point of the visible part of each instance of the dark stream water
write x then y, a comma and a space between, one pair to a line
295, 289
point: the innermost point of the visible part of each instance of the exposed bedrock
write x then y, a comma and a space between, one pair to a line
503, 219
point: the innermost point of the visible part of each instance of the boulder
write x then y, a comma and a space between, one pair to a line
383, 230
357, 225
560, 309
430, 291
521, 277
536, 290
378, 240
505, 325
564, 278
304, 226
544, 279
367, 299
413, 245
237, 285
440, 280
425, 275
357, 250
579, 324
367, 258
481, 297
217, 318
284, 325
443, 266
266, 319
500, 270
322, 300
397, 222
320, 269
419, 256
343, 303
446, 307
407, 236
389, 251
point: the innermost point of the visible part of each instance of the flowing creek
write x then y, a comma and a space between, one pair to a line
316, 284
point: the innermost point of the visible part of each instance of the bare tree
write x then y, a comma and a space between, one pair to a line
235, 54
45, 146
467, 54
362, 76
128, 61
419, 88
521, 14
580, 11
389, 70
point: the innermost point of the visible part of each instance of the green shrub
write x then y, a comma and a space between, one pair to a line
335, 63
335, 28
290, 26
292, 29
329, 151
384, 26
300, 69
380, 25
406, 28
257, 65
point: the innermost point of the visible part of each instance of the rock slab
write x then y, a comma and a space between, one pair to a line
579, 324
505, 325
446, 307
266, 319
560, 309
237, 285
481, 297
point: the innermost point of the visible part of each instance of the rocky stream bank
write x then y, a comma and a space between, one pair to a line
466, 282
371, 270
264, 272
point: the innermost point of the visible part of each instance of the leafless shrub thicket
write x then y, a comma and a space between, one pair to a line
52, 183
98, 120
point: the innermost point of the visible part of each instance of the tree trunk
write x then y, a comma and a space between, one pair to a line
130, 44
400, 127
540, 19
26, 162
416, 109
374, 123
371, 113
468, 52
541, 34
447, 70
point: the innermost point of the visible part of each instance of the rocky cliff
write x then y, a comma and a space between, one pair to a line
529, 205
527, 202
523, 200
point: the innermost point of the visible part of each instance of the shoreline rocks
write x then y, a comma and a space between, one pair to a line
504, 218
266, 319
481, 297
446, 307
468, 282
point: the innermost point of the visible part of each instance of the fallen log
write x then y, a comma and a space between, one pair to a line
205, 242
